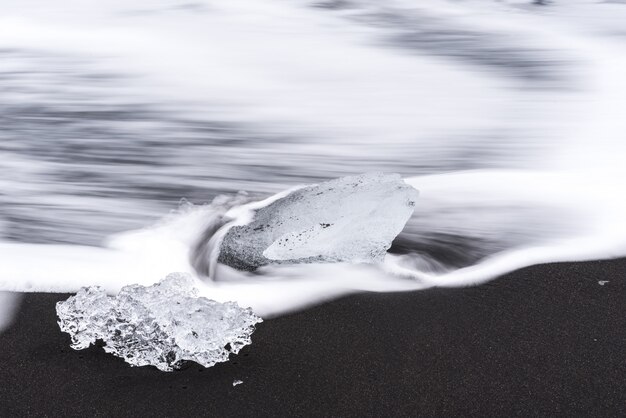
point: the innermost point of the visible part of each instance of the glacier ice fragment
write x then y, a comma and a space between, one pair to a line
350, 219
160, 325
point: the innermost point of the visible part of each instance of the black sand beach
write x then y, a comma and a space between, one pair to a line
543, 341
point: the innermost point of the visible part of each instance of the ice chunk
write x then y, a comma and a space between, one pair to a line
237, 382
160, 325
351, 219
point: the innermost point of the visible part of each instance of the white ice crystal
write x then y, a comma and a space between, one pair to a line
160, 325
352, 219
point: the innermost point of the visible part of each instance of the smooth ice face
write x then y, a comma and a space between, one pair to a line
352, 219
159, 325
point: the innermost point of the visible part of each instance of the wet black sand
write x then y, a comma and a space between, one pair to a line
544, 341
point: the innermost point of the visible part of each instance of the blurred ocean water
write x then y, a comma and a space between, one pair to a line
504, 114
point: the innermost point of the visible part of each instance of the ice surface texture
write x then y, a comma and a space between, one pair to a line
352, 219
160, 325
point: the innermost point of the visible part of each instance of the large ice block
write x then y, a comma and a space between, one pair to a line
351, 219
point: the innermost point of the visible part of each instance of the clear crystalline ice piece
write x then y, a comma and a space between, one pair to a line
351, 219
160, 325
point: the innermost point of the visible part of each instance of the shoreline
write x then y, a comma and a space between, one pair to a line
543, 340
